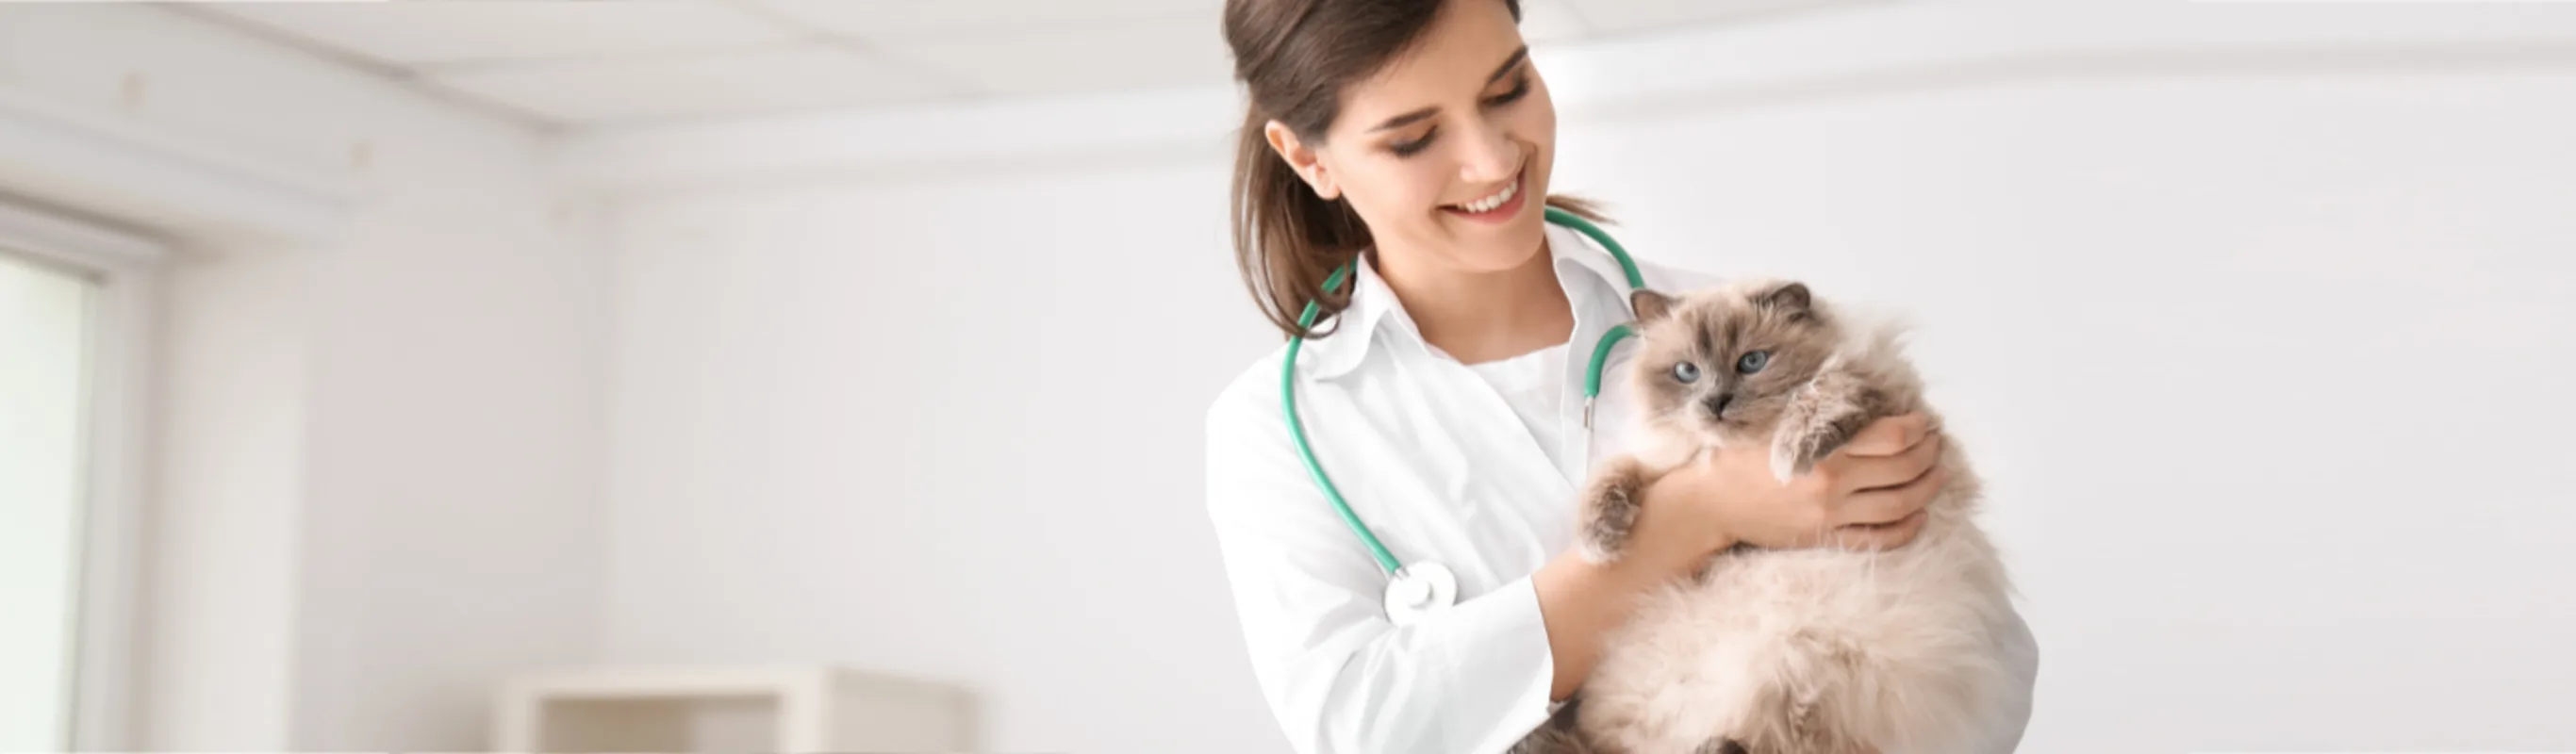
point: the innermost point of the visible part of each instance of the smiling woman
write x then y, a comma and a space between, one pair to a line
1465, 131
1384, 178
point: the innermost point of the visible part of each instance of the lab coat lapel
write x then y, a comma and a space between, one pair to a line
1506, 456
1599, 290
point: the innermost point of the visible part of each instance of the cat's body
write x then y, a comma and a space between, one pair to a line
1817, 651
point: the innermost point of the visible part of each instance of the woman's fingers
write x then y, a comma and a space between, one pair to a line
1873, 516
1889, 505
1889, 436
1862, 473
1886, 536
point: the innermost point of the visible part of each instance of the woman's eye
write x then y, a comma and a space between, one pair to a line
1411, 148
1753, 362
1686, 372
1519, 89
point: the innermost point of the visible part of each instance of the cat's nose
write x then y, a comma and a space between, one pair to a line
1717, 404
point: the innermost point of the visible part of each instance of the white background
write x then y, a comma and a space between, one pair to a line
2254, 323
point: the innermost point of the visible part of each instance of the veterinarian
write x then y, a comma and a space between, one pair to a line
1396, 510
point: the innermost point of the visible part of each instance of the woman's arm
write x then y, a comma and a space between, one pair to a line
1476, 677
1338, 676
1863, 498
1581, 601
2021, 649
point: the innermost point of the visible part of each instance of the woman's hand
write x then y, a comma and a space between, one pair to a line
1867, 496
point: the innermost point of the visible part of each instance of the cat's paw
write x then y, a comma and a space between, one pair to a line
1796, 454
1610, 505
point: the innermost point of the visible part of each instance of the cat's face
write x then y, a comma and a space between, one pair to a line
1722, 364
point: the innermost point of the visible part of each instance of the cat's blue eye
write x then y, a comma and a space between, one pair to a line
1753, 362
1686, 372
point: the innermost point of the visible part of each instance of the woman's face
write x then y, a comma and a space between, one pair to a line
1445, 153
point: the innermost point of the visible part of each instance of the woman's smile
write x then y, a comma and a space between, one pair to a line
1499, 207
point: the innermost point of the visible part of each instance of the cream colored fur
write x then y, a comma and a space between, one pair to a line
1815, 651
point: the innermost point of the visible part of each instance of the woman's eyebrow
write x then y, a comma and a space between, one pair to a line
1508, 63
1416, 116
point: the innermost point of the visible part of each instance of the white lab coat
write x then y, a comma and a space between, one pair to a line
1436, 464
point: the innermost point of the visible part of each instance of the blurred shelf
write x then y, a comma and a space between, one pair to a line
729, 709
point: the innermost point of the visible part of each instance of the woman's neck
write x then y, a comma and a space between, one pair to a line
1477, 317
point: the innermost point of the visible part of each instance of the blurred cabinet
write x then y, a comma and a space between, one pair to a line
729, 709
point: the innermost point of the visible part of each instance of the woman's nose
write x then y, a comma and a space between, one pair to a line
1493, 158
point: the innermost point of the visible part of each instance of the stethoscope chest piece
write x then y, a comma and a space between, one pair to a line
1418, 590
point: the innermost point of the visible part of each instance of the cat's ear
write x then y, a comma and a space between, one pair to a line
1650, 306
1790, 297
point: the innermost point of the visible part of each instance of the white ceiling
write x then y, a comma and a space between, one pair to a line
584, 63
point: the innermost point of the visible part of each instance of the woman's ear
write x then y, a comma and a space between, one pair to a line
1301, 158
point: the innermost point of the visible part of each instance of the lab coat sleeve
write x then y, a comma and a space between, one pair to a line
1338, 676
2021, 649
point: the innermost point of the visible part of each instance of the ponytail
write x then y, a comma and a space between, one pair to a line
1287, 239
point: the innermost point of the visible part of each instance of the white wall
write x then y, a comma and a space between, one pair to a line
378, 463
218, 641
455, 483
847, 429
2248, 315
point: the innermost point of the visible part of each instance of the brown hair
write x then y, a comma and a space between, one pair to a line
1294, 57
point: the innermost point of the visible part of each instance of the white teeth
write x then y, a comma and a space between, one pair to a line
1488, 204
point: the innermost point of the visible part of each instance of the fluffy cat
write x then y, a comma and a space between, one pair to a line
1820, 651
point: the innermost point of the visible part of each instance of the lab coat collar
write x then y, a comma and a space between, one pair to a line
1366, 321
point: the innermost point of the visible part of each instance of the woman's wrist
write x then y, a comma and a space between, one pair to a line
1695, 535
1579, 602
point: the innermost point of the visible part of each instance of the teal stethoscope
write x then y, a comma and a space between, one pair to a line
1421, 588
